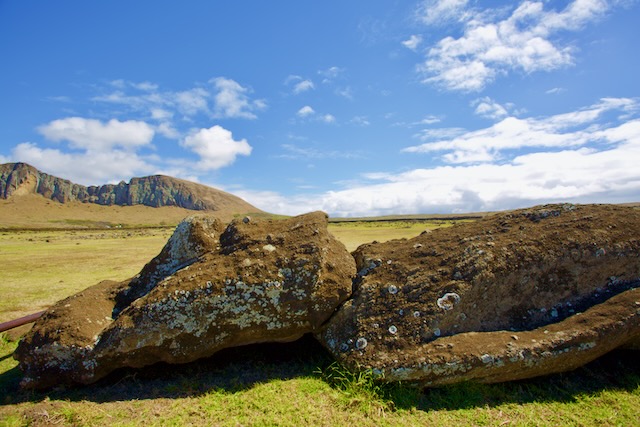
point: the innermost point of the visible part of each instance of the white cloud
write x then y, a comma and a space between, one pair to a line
193, 101
142, 86
308, 112
295, 152
440, 12
161, 114
412, 42
360, 121
146, 86
271, 201
299, 84
487, 107
328, 118
330, 74
228, 100
555, 90
87, 168
119, 83
345, 92
582, 175
216, 147
585, 156
303, 86
93, 135
231, 100
573, 129
305, 111
523, 41
429, 120
439, 133
167, 130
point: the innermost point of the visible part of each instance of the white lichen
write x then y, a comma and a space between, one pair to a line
448, 300
361, 343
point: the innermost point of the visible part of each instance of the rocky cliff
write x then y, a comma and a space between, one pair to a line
20, 178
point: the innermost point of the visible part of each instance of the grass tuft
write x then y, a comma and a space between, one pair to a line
361, 389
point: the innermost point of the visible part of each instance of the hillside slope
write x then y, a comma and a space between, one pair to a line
19, 179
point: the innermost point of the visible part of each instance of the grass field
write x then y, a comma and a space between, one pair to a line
284, 384
355, 233
41, 267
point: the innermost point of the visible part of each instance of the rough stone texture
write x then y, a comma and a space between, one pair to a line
270, 281
154, 191
511, 296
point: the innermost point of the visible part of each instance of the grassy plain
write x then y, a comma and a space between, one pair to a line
41, 267
355, 233
284, 384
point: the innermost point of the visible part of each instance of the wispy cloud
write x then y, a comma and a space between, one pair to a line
555, 90
232, 100
296, 152
412, 42
303, 86
441, 12
221, 98
429, 120
345, 92
574, 129
299, 84
360, 121
193, 101
431, 134
305, 111
491, 46
583, 156
491, 109
330, 74
327, 118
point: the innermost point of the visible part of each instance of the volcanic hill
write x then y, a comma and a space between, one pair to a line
26, 190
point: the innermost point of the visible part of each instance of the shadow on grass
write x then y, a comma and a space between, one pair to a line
240, 369
230, 370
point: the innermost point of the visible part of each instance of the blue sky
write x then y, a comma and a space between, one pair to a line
360, 107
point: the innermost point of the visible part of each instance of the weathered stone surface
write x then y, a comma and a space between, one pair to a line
257, 281
511, 296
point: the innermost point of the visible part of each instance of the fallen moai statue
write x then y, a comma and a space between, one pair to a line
210, 288
511, 296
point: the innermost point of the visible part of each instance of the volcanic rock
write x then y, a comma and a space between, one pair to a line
256, 281
511, 296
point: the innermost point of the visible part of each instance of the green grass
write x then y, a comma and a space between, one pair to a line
295, 384
355, 233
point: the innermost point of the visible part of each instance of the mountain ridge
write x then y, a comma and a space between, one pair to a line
17, 179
